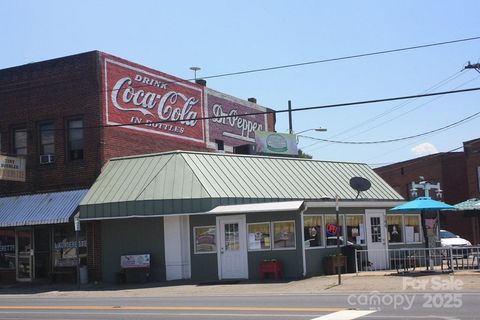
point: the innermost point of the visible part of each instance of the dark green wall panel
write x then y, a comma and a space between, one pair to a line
132, 236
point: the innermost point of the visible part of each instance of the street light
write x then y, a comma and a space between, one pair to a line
426, 186
320, 129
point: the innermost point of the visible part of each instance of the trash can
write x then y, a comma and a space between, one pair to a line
349, 252
83, 275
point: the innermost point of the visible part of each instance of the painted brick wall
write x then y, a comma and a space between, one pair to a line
446, 168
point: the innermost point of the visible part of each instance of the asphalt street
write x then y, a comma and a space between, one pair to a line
354, 305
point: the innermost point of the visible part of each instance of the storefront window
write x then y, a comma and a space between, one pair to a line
259, 236
412, 228
7, 249
205, 239
284, 235
65, 246
331, 228
312, 231
395, 228
355, 229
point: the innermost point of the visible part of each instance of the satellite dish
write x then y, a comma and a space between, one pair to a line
360, 184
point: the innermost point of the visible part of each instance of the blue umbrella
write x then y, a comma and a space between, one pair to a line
422, 204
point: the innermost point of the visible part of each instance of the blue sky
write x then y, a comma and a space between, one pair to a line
229, 36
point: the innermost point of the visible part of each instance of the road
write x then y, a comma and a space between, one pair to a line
444, 305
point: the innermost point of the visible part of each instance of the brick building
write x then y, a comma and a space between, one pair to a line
68, 116
459, 177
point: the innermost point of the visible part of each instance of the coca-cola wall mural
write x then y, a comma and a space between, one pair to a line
152, 102
233, 130
142, 99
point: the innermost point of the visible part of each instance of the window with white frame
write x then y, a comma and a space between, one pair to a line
395, 228
205, 239
283, 234
412, 228
259, 236
355, 228
331, 229
313, 231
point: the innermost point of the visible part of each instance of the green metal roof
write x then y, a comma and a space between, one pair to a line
470, 204
188, 182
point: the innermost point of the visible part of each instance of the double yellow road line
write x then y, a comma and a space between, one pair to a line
169, 308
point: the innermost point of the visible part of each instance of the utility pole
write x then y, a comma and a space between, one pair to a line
290, 125
475, 66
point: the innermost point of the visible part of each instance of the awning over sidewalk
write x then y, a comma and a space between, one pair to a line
284, 206
44, 208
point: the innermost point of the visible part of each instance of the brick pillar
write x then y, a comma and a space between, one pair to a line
94, 250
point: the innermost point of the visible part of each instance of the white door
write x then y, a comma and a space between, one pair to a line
376, 239
177, 247
232, 249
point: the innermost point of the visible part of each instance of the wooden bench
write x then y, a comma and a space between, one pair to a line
130, 265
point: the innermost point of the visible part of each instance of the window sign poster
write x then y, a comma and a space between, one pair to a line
331, 229
254, 242
409, 234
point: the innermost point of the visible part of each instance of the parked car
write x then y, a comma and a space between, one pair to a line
450, 239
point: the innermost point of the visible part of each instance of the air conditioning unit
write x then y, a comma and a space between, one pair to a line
47, 158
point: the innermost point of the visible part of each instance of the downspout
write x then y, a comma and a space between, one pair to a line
304, 260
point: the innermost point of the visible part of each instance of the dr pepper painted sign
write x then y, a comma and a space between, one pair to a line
231, 127
152, 101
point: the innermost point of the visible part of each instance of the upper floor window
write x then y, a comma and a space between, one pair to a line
20, 141
47, 140
75, 139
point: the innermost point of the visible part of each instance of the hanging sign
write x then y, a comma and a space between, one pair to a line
276, 143
12, 168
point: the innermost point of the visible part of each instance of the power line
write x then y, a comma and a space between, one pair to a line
401, 105
235, 73
412, 162
471, 117
340, 58
328, 106
337, 105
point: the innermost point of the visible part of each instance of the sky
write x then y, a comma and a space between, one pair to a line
229, 36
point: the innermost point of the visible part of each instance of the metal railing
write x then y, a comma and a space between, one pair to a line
443, 259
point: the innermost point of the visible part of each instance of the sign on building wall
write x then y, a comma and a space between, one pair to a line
232, 128
152, 102
276, 143
12, 168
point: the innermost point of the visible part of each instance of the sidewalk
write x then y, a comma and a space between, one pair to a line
462, 282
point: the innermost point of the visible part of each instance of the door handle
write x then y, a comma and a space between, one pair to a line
222, 250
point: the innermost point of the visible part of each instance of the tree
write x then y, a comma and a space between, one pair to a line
304, 155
